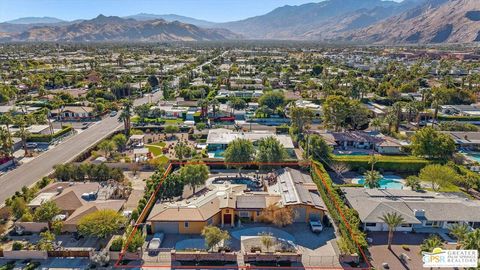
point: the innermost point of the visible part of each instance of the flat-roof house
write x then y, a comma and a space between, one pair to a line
463, 139
363, 140
229, 204
315, 108
219, 138
420, 210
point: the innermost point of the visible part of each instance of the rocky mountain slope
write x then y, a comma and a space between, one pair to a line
436, 21
114, 28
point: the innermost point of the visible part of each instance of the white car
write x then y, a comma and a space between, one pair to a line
32, 145
154, 244
316, 226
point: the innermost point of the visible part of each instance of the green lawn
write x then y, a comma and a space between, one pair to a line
161, 144
156, 150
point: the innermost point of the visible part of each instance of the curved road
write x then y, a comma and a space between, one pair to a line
29, 173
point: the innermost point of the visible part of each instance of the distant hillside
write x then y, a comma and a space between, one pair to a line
171, 18
436, 21
114, 28
293, 22
35, 20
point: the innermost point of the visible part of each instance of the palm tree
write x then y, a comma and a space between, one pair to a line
397, 108
472, 240
391, 119
372, 179
125, 116
432, 242
5, 142
203, 103
459, 231
413, 182
23, 133
214, 103
7, 120
393, 220
376, 123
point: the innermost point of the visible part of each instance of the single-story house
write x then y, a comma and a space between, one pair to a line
230, 204
77, 200
74, 113
219, 138
315, 108
383, 144
469, 140
420, 210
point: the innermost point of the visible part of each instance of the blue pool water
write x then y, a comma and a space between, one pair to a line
251, 183
387, 181
216, 154
475, 156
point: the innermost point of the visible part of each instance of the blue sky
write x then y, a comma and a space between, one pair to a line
212, 10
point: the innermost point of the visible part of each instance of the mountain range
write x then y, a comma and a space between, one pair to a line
356, 21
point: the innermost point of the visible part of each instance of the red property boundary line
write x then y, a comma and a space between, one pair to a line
169, 168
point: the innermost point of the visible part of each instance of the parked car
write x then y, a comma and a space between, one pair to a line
113, 113
316, 226
32, 145
154, 244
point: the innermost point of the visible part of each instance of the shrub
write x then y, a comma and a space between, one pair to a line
17, 246
117, 244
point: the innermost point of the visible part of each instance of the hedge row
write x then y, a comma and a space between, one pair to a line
48, 137
350, 215
404, 164
458, 118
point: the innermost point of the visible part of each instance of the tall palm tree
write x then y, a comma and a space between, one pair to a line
376, 123
23, 133
372, 179
459, 231
391, 119
5, 142
397, 108
126, 115
214, 103
393, 220
7, 120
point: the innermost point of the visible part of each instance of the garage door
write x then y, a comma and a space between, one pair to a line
300, 214
165, 227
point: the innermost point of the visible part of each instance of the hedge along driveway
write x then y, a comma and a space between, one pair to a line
401, 164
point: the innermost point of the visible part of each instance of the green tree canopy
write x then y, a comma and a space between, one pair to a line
214, 236
272, 99
101, 223
194, 175
239, 151
46, 212
270, 150
438, 175
427, 142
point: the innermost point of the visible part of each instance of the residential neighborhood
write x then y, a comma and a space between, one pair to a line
226, 154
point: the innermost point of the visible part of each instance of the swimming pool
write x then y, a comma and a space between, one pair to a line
387, 181
251, 183
216, 154
475, 156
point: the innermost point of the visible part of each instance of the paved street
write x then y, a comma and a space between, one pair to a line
29, 173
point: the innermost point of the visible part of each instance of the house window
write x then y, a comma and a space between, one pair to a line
244, 214
209, 221
371, 224
185, 224
406, 225
432, 223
